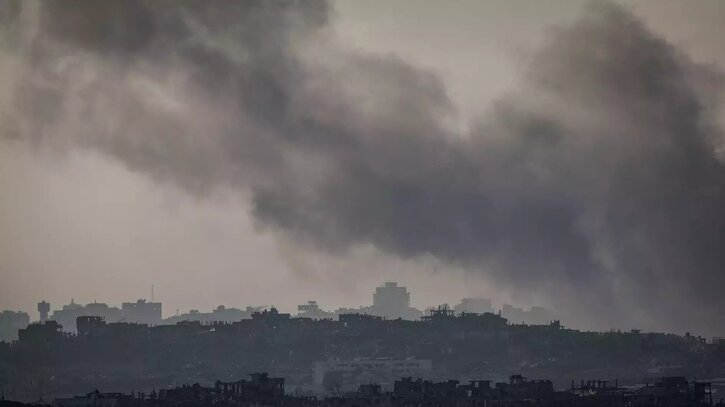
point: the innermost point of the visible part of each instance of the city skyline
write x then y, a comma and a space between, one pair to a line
389, 300
566, 154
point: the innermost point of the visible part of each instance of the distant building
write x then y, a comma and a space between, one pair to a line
393, 301
43, 310
513, 314
350, 311
88, 324
519, 391
535, 316
271, 316
98, 399
539, 316
10, 323
139, 312
313, 311
391, 298
260, 390
474, 306
219, 314
674, 391
259, 387
68, 315
142, 312
40, 333
337, 374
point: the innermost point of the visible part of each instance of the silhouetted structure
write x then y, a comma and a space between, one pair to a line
534, 316
10, 323
260, 390
313, 311
263, 390
68, 314
40, 334
393, 301
142, 312
346, 375
219, 314
43, 310
98, 399
474, 306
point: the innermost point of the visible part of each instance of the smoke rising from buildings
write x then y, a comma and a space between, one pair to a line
598, 182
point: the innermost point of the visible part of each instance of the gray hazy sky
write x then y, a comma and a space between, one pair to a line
82, 224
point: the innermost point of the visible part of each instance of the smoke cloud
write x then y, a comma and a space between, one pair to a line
598, 183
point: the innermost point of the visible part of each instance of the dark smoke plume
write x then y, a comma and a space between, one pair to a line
597, 184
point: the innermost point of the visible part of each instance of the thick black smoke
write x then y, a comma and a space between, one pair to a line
598, 184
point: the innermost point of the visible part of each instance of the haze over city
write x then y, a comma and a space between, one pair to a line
563, 154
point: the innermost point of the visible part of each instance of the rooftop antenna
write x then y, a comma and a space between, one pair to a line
152, 293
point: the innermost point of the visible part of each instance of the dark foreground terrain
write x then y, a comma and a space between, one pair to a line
46, 363
261, 390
